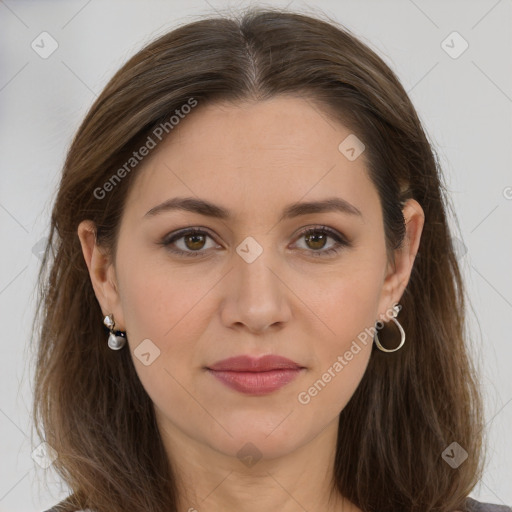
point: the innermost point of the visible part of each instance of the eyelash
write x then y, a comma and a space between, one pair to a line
340, 241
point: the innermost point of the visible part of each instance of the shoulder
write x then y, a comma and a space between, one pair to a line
473, 505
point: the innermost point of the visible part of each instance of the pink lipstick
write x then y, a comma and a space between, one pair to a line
256, 376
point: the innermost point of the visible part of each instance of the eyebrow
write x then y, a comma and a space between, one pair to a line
203, 207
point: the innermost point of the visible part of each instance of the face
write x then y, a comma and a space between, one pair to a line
261, 279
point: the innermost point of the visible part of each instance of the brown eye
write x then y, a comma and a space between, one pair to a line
188, 242
194, 242
316, 239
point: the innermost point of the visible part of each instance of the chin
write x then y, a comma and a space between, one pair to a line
266, 439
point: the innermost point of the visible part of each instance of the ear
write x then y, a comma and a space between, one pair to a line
399, 271
102, 274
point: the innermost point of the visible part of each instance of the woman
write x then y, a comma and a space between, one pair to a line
250, 224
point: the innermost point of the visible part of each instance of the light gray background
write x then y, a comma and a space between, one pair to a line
464, 103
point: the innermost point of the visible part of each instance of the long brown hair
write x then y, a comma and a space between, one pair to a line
89, 404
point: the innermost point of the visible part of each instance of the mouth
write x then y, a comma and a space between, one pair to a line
256, 376
257, 383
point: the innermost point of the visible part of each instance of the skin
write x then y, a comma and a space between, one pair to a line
252, 158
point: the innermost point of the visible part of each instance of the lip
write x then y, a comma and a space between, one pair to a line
246, 363
256, 376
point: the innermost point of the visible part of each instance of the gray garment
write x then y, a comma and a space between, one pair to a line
478, 506
472, 506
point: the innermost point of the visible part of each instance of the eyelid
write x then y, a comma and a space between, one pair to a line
320, 227
180, 233
341, 241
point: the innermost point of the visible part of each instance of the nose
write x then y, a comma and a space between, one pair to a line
257, 298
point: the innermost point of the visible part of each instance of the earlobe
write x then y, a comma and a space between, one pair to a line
101, 271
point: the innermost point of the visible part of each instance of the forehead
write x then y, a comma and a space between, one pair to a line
262, 153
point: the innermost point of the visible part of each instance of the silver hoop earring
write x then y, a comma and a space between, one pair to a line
116, 339
396, 309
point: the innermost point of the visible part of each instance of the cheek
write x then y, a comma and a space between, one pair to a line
340, 359
162, 306
157, 299
348, 303
347, 306
169, 307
